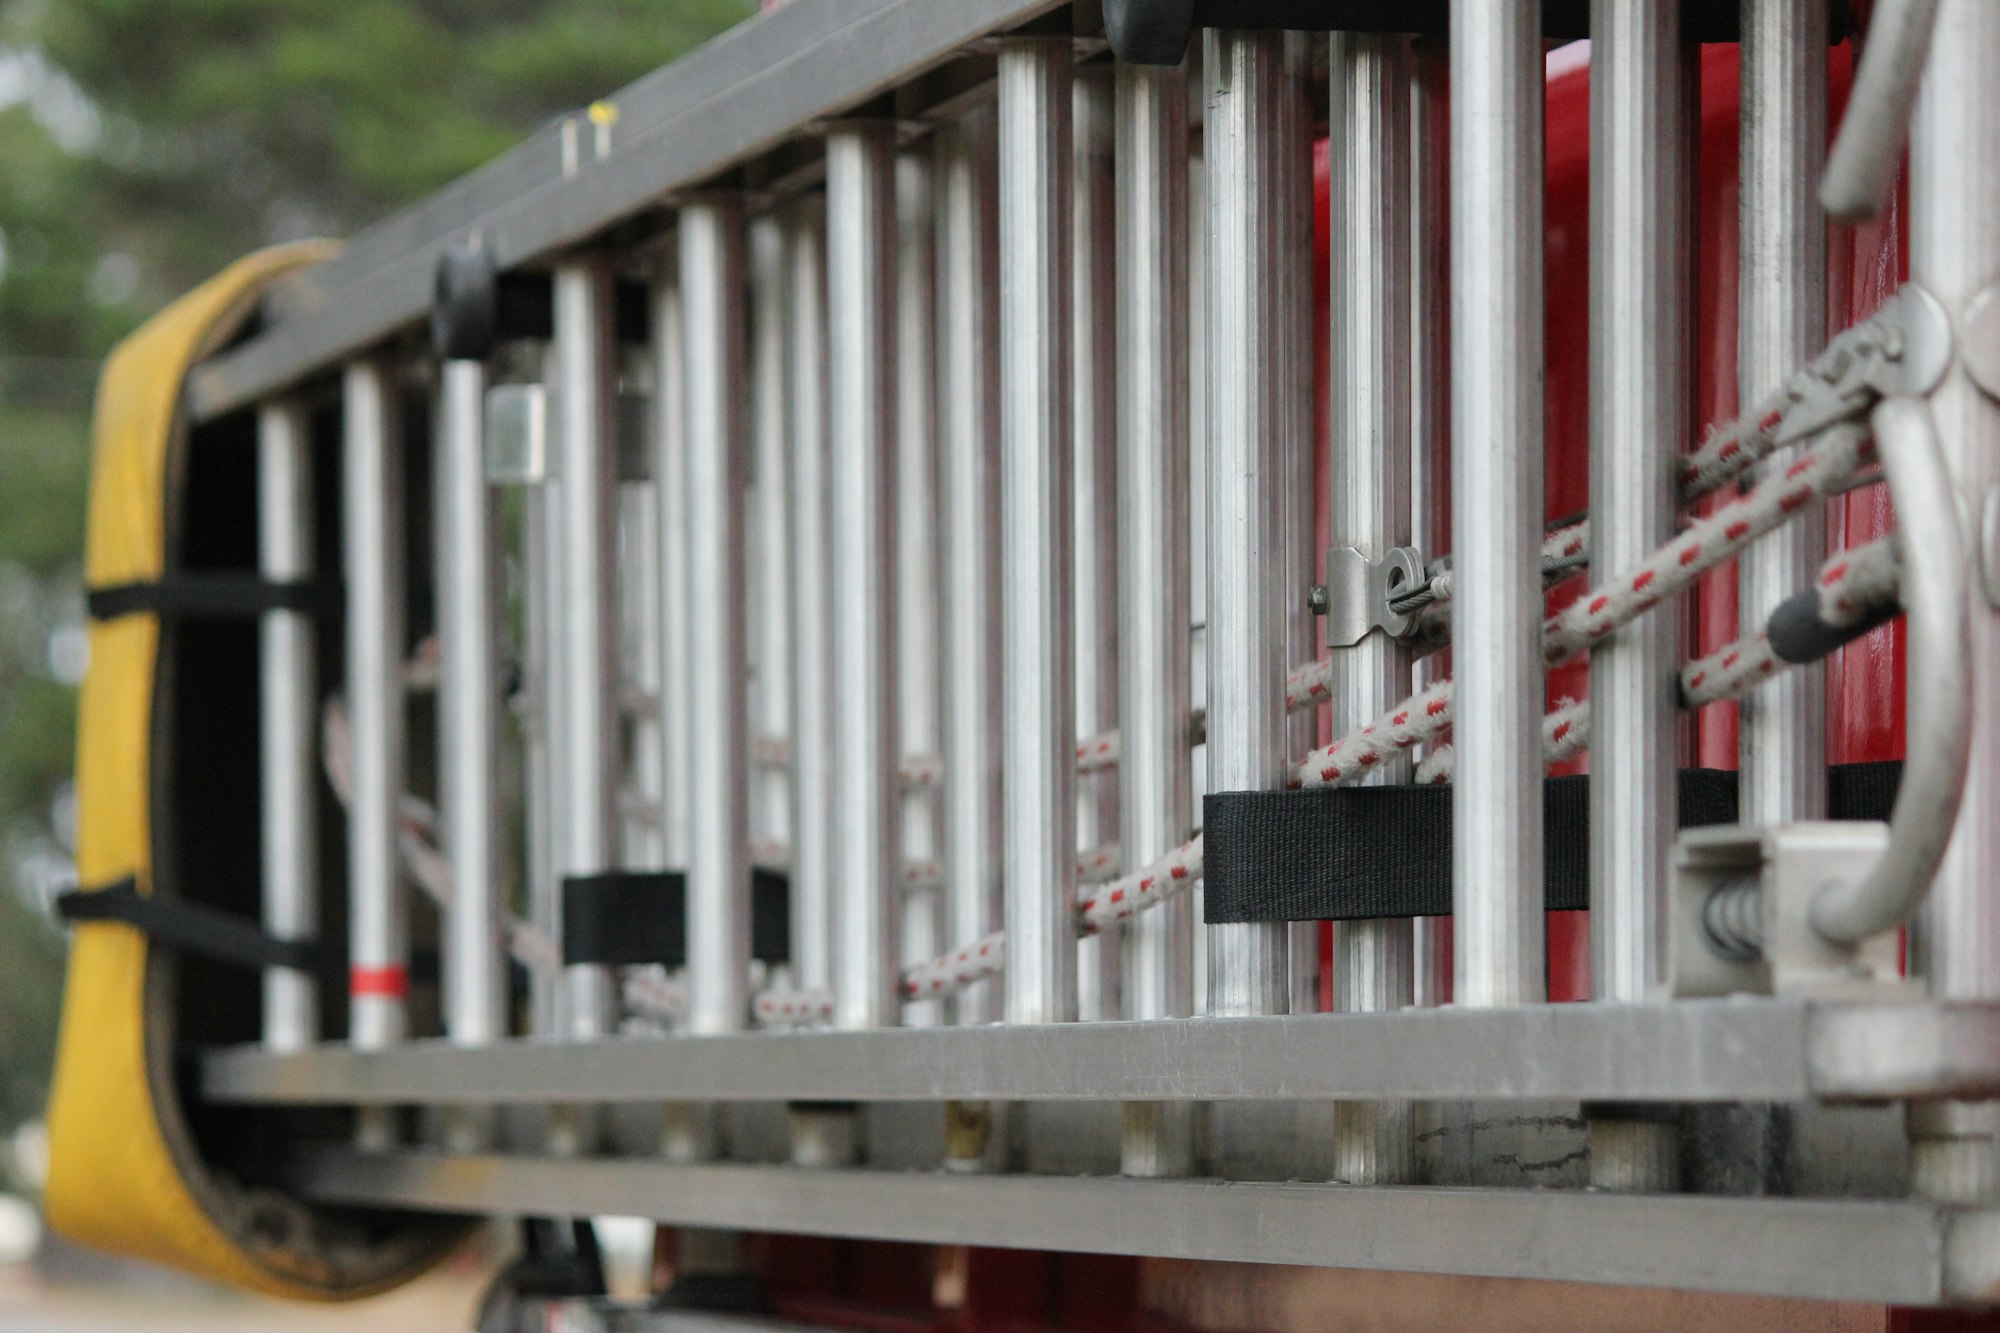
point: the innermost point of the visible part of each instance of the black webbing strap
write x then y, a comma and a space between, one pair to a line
628, 917
1350, 853
192, 928
204, 595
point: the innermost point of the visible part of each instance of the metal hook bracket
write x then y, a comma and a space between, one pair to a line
1360, 594
1901, 351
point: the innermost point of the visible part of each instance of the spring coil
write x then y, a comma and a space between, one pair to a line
1732, 920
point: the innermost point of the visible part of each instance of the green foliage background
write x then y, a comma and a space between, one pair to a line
143, 144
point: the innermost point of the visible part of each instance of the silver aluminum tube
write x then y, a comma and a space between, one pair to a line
1781, 322
1249, 408
812, 593
1497, 438
372, 543
474, 967
770, 567
1299, 569
713, 295
538, 780
1369, 498
670, 492
1094, 408
922, 934
289, 722
968, 406
1954, 242
643, 805
1156, 786
1038, 746
1639, 412
861, 345
586, 739
1430, 400
1638, 422
1197, 360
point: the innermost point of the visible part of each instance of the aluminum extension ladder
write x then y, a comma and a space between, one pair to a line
969, 423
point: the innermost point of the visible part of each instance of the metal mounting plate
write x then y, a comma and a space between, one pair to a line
1361, 593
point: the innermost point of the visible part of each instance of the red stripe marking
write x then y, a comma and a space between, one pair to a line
392, 982
1643, 581
1735, 531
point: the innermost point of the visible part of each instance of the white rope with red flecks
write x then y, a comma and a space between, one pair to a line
1834, 456
1307, 685
1113, 902
1830, 462
1850, 585
417, 824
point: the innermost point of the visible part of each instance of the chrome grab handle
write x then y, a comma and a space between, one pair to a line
1938, 681
1869, 148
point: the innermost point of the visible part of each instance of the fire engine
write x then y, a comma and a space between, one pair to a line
1127, 664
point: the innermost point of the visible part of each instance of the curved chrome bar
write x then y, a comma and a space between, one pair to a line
1869, 147
1938, 681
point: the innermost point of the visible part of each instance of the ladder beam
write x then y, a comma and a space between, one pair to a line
372, 540
714, 296
1497, 444
583, 654
475, 973
289, 724
861, 305
1249, 411
1037, 607
968, 366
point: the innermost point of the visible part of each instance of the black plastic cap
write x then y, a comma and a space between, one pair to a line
1799, 636
465, 304
1149, 32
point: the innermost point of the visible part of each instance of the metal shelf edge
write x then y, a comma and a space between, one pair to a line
1874, 1250
1691, 1051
